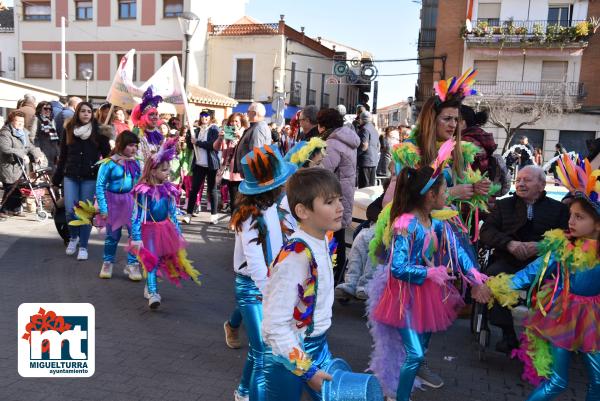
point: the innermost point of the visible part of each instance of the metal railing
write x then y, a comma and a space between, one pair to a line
241, 90
7, 29
245, 29
532, 90
427, 37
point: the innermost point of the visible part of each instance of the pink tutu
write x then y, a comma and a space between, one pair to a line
162, 238
120, 209
424, 308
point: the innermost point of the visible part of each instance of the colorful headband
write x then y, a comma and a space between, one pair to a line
303, 151
166, 153
149, 101
580, 180
439, 163
456, 88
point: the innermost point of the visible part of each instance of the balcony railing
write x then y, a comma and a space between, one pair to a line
241, 90
7, 29
529, 33
244, 29
567, 92
427, 37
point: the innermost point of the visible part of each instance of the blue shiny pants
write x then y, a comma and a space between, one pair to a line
415, 346
249, 305
112, 241
151, 281
559, 379
282, 384
235, 320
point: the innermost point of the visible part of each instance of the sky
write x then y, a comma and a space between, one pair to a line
388, 29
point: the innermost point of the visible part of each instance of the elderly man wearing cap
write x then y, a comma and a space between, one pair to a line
256, 136
368, 151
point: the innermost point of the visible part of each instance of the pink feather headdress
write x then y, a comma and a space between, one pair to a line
439, 163
456, 88
166, 153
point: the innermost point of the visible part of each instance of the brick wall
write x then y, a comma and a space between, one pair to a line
451, 17
590, 63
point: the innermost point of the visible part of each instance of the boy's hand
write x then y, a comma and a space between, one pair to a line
316, 382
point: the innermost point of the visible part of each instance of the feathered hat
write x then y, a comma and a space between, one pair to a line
149, 101
439, 163
455, 89
264, 169
581, 181
303, 151
166, 153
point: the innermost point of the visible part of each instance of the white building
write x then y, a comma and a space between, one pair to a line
8, 44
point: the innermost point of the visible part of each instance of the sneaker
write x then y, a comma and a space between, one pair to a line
154, 300
72, 247
238, 397
428, 377
187, 219
196, 211
214, 219
82, 254
343, 292
361, 294
106, 271
133, 271
232, 336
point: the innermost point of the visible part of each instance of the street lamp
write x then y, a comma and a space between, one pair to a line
86, 73
188, 22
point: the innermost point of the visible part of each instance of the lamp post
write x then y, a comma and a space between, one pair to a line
86, 73
188, 22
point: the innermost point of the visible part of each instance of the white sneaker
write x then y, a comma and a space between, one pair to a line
238, 397
72, 247
154, 300
82, 254
106, 271
133, 271
214, 219
187, 219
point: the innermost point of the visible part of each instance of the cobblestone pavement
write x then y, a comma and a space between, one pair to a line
178, 352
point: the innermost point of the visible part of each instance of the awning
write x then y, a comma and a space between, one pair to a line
288, 112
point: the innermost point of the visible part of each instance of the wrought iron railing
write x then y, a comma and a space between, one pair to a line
245, 29
524, 90
427, 37
241, 90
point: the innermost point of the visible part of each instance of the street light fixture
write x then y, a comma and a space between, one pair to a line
188, 22
86, 73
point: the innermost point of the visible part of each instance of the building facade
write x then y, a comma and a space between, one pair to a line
394, 115
531, 53
100, 32
8, 44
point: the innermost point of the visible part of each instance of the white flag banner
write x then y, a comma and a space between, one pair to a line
123, 92
168, 83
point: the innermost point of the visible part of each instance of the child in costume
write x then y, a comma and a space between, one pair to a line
298, 297
411, 297
307, 153
156, 236
262, 222
564, 292
147, 125
116, 178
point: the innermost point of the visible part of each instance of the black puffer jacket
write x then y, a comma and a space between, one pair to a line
77, 160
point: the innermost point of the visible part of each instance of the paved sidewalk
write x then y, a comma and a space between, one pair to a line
178, 352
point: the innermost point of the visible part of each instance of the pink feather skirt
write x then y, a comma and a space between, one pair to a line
162, 238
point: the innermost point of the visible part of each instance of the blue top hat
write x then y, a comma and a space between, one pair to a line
349, 386
264, 169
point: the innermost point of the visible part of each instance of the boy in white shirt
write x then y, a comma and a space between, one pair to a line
298, 296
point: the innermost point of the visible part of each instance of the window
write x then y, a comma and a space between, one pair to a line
165, 57
490, 13
83, 61
120, 56
243, 78
395, 116
172, 8
554, 71
127, 9
83, 10
38, 65
325, 100
559, 14
312, 97
575, 140
36, 11
487, 70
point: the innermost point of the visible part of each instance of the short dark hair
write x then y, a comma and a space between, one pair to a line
15, 113
124, 139
330, 119
307, 184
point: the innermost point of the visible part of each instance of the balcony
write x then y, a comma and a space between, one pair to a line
241, 90
426, 38
568, 93
521, 34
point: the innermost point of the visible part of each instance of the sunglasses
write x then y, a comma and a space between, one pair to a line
46, 108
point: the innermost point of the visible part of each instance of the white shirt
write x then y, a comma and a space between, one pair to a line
281, 296
247, 250
200, 153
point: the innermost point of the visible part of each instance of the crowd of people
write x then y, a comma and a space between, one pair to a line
289, 194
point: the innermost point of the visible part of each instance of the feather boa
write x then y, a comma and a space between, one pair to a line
164, 190
536, 356
382, 237
502, 290
578, 255
175, 268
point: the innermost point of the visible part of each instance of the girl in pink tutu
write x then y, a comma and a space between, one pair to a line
156, 236
412, 296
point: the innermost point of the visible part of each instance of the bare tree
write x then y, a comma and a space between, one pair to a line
511, 111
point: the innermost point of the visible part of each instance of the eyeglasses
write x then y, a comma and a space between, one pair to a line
46, 108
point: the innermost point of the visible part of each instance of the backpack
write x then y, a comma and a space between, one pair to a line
498, 173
